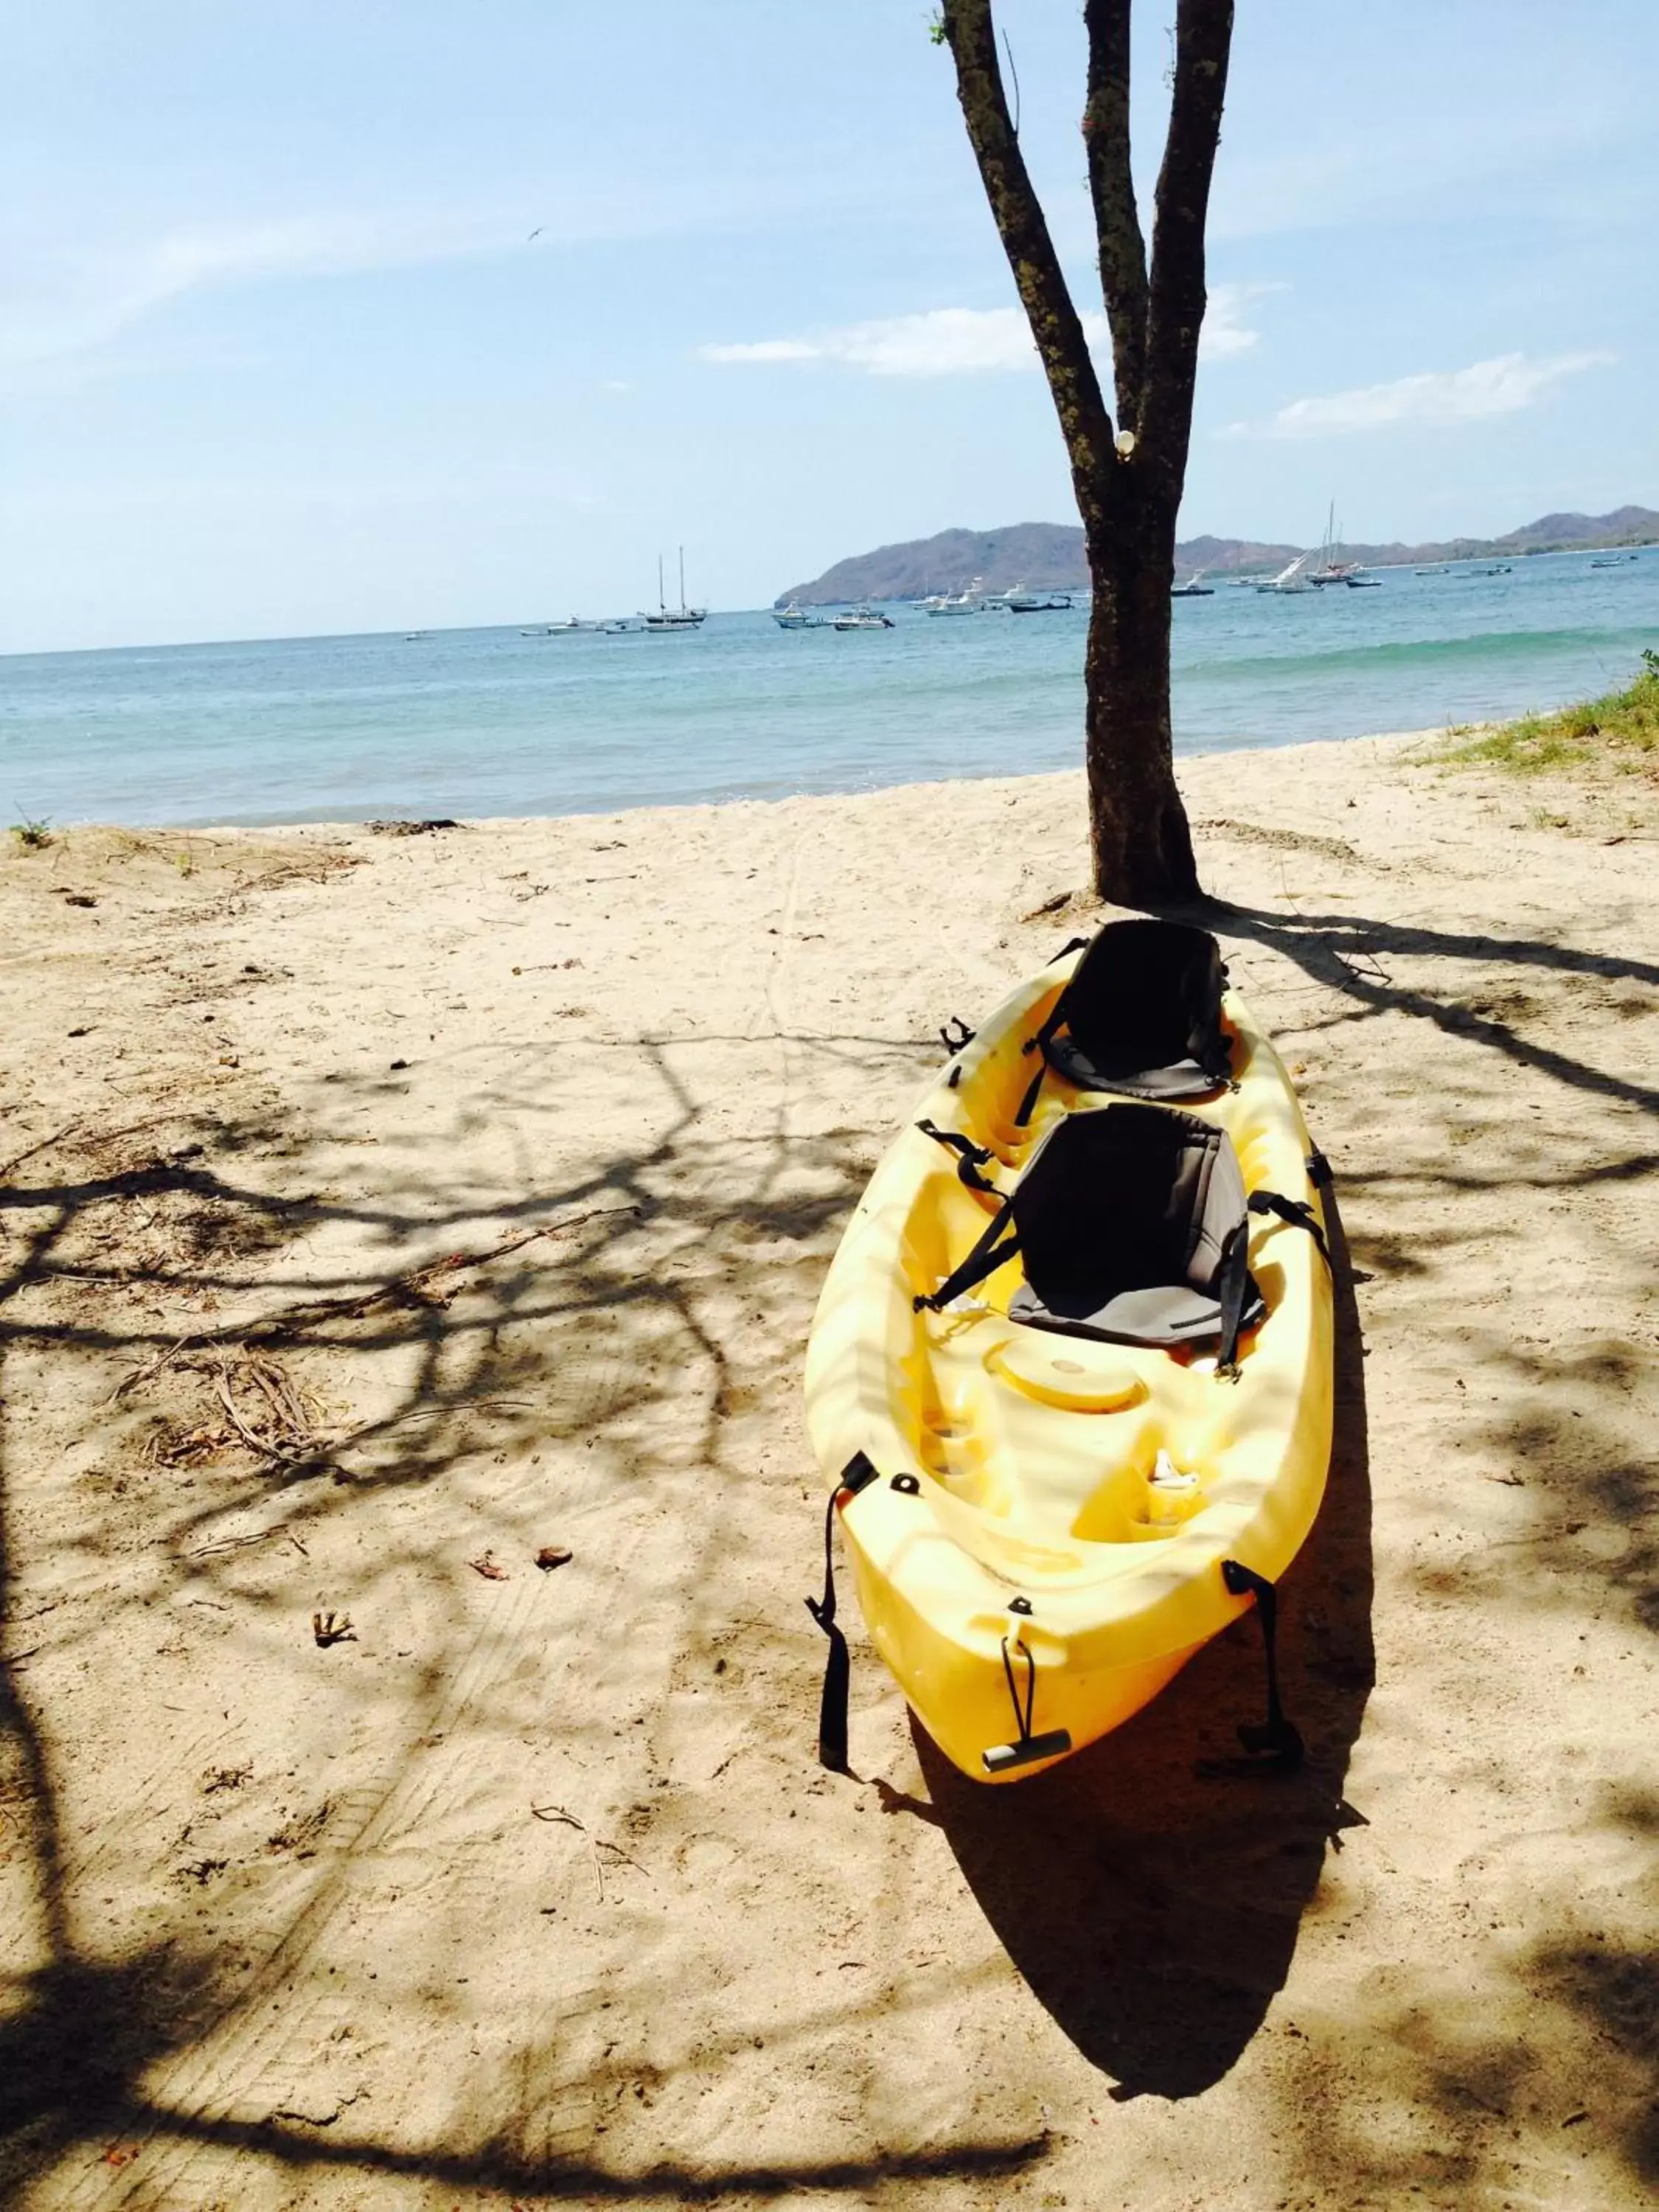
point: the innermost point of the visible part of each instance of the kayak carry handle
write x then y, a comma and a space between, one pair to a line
1026, 1748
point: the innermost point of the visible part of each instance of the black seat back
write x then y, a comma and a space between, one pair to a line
1147, 995
1126, 1198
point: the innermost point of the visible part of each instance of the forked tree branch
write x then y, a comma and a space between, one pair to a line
1111, 187
1085, 421
1174, 314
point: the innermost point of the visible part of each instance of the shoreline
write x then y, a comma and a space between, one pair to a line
381, 1213
352, 825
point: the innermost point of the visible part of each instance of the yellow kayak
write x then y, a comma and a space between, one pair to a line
1056, 1485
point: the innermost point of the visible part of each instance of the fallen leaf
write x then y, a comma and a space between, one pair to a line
486, 1565
553, 1555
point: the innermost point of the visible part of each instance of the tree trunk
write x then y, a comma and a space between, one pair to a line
1139, 848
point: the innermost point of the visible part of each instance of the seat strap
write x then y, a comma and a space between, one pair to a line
1234, 1272
1297, 1212
987, 1256
858, 1472
973, 1157
1041, 1040
1231, 1292
1215, 1056
1276, 1741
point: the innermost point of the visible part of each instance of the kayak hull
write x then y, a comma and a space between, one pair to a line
1039, 1549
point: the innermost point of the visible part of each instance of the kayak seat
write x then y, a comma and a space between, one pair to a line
1140, 1016
1132, 1225
1126, 1218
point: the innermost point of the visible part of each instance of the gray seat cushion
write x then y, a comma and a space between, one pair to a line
1182, 1078
1158, 1318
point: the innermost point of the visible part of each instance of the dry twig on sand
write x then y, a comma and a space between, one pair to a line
419, 1285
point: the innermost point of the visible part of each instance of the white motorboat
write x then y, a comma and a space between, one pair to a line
863, 618
969, 600
1193, 588
795, 616
1019, 601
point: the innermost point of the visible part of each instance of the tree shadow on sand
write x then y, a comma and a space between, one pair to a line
582, 1346
1153, 1910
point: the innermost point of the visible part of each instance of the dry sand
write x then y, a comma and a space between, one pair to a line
378, 1212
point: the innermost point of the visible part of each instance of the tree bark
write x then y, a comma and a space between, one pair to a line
1111, 188
1085, 421
1140, 847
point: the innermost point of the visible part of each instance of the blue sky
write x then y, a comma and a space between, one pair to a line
279, 356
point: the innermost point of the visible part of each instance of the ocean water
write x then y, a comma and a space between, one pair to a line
492, 722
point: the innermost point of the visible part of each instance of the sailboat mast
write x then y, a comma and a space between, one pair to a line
662, 604
682, 579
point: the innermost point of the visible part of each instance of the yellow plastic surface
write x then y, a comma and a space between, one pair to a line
1037, 1454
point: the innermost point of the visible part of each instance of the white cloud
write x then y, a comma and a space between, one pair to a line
944, 342
1224, 329
971, 341
764, 349
1500, 386
64, 300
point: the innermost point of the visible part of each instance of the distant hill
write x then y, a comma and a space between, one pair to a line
1048, 556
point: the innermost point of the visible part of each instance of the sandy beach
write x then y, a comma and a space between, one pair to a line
381, 1210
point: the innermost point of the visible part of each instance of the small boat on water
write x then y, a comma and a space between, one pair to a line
1036, 602
681, 617
1502, 568
1364, 583
863, 618
565, 628
1612, 560
1193, 588
795, 616
969, 600
1293, 577
1331, 568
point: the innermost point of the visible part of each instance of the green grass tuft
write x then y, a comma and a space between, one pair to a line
1619, 731
32, 836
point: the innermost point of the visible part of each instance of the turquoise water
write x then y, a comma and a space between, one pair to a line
489, 722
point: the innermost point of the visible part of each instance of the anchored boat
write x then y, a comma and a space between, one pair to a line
1070, 1376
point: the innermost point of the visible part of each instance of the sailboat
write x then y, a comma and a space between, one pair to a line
1330, 570
1291, 578
679, 618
